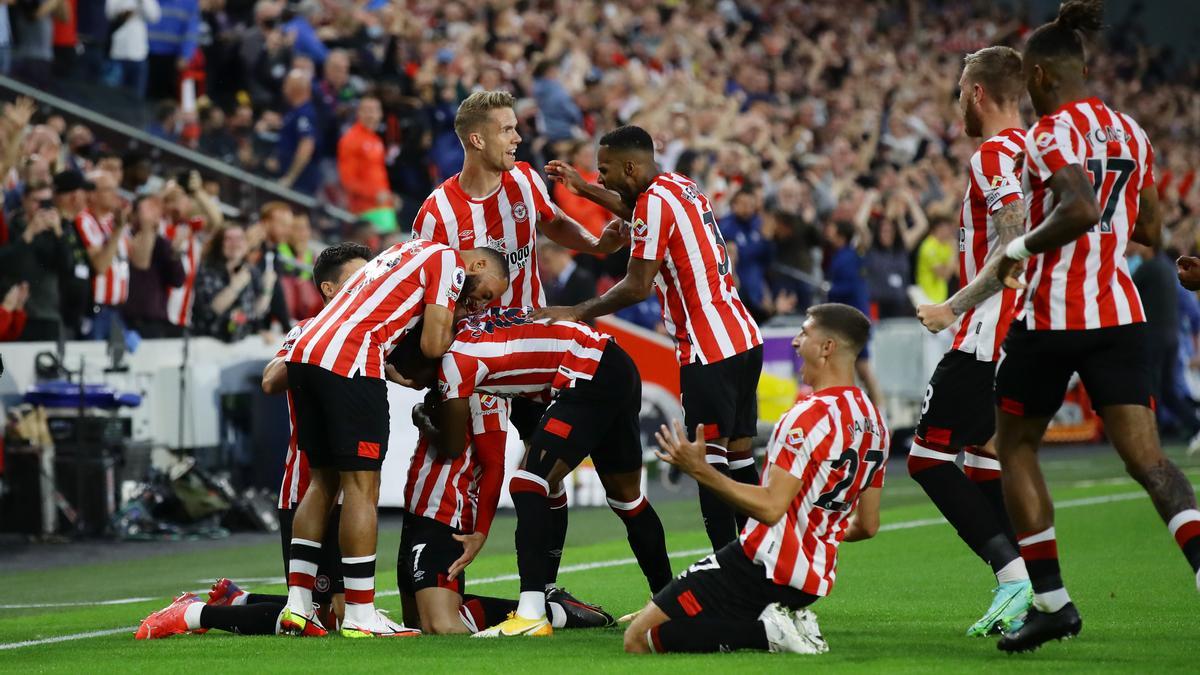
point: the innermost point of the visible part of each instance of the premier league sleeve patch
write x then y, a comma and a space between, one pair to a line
456, 283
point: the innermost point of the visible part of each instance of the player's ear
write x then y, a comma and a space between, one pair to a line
476, 140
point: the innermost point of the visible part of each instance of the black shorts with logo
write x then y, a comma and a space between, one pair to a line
597, 417
329, 567
1113, 363
427, 550
959, 407
723, 396
727, 585
341, 423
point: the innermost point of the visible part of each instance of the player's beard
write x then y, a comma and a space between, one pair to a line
972, 121
470, 283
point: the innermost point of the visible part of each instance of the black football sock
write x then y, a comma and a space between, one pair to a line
260, 598
557, 527
966, 507
719, 522
698, 634
742, 469
984, 471
480, 611
260, 618
646, 539
532, 539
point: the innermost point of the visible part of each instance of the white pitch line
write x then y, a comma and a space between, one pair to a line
618, 562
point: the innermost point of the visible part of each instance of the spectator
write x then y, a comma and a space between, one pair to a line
301, 34
155, 267
216, 140
71, 190
136, 173
12, 311
172, 44
112, 163
593, 217
128, 20
363, 232
848, 285
81, 147
5, 40
937, 261
336, 99
565, 282
792, 226
296, 256
889, 273
559, 116
362, 168
297, 148
189, 213
66, 40
36, 254
749, 253
230, 296
102, 231
33, 49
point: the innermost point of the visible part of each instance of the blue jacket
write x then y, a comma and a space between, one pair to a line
557, 108
176, 32
307, 42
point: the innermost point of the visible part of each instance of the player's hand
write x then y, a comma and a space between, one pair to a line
1008, 271
936, 318
1188, 268
555, 314
393, 375
472, 545
566, 174
423, 422
678, 451
614, 237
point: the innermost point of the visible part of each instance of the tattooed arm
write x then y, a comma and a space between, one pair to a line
1010, 223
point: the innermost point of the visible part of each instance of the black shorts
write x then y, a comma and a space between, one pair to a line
959, 407
726, 585
329, 567
525, 415
427, 550
341, 423
723, 396
1113, 363
597, 417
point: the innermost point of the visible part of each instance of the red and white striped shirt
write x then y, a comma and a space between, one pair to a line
447, 490
378, 306
836, 443
993, 182
673, 222
502, 352
1086, 284
179, 298
110, 287
505, 220
295, 464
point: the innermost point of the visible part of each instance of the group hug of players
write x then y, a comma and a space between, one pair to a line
1045, 220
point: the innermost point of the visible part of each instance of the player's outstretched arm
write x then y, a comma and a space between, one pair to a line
437, 332
864, 522
566, 174
1075, 211
1010, 223
566, 231
1148, 229
766, 503
489, 452
634, 288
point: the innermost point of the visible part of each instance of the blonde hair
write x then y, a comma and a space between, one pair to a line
473, 112
998, 69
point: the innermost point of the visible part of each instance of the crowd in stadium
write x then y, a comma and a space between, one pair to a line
777, 112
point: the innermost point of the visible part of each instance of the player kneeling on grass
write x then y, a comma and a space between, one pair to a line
825, 465
450, 504
595, 391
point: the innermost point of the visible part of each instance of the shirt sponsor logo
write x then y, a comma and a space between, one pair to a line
1044, 139
640, 231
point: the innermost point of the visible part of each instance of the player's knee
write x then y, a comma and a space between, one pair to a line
363, 484
443, 625
635, 640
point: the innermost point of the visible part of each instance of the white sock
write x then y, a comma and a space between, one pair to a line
191, 615
360, 615
240, 599
1013, 571
1051, 601
532, 605
549, 587
300, 600
558, 616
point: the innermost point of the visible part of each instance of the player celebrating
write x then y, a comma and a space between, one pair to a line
501, 203
957, 415
596, 394
1090, 179
824, 472
678, 250
229, 607
334, 374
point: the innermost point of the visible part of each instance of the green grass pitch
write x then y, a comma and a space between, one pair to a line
901, 603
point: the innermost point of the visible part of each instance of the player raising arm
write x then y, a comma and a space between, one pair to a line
824, 475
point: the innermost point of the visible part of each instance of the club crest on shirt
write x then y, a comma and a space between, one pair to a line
520, 212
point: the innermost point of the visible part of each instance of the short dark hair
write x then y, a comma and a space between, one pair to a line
998, 69
628, 138
498, 259
329, 263
1063, 37
844, 321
